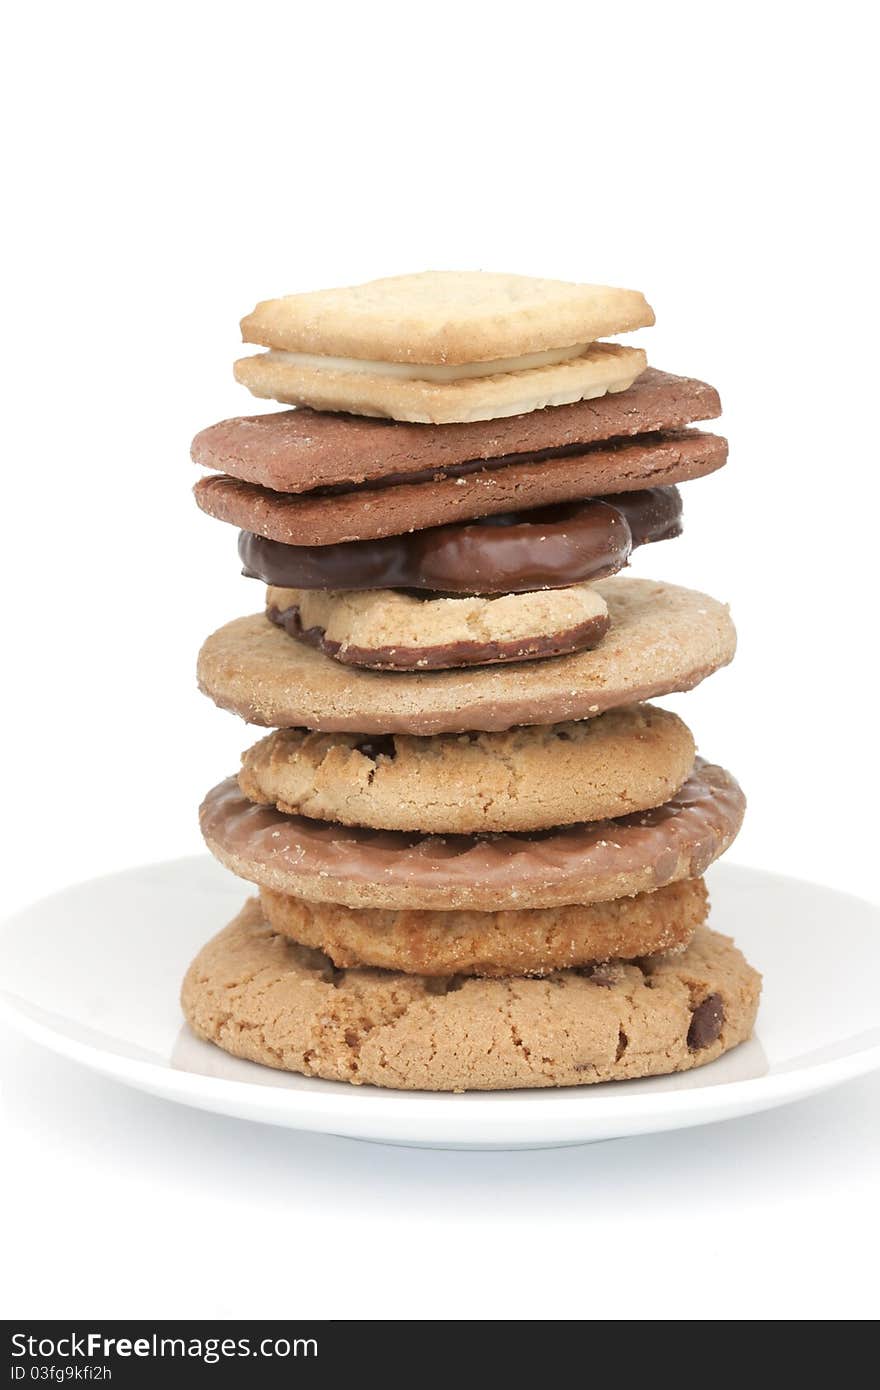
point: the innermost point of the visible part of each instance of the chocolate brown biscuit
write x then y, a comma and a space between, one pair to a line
384, 630
662, 638
588, 863
299, 450
259, 996
370, 512
494, 944
531, 778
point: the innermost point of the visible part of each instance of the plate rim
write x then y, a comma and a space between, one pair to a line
319, 1110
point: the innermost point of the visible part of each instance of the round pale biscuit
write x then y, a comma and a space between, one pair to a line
493, 944
587, 863
261, 997
385, 630
530, 778
663, 638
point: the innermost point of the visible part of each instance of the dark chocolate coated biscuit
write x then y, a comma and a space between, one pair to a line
548, 548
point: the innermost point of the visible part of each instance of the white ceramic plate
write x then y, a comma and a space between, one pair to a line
93, 973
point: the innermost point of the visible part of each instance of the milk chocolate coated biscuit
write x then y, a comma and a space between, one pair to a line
300, 450
259, 996
525, 779
589, 863
548, 548
662, 639
369, 512
533, 941
385, 630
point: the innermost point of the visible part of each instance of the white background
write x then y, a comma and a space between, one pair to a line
171, 165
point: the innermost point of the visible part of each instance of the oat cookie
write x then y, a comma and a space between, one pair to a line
259, 996
445, 317
530, 778
494, 944
590, 862
662, 638
386, 630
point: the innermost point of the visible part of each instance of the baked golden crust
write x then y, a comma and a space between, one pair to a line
445, 317
494, 944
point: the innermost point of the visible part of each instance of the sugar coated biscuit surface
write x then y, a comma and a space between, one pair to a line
494, 944
662, 638
529, 778
261, 997
445, 316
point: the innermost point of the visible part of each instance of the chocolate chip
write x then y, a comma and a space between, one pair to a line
706, 1023
381, 746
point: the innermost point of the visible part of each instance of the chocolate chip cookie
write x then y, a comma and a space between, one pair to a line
260, 996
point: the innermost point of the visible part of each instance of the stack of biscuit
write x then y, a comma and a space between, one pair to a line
479, 850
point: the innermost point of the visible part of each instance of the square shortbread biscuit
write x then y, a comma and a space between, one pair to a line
602, 368
445, 317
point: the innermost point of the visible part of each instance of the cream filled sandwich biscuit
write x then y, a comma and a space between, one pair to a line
444, 346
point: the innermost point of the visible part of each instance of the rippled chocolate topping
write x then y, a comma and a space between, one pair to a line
577, 863
517, 552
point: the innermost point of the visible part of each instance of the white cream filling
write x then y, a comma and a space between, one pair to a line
429, 371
